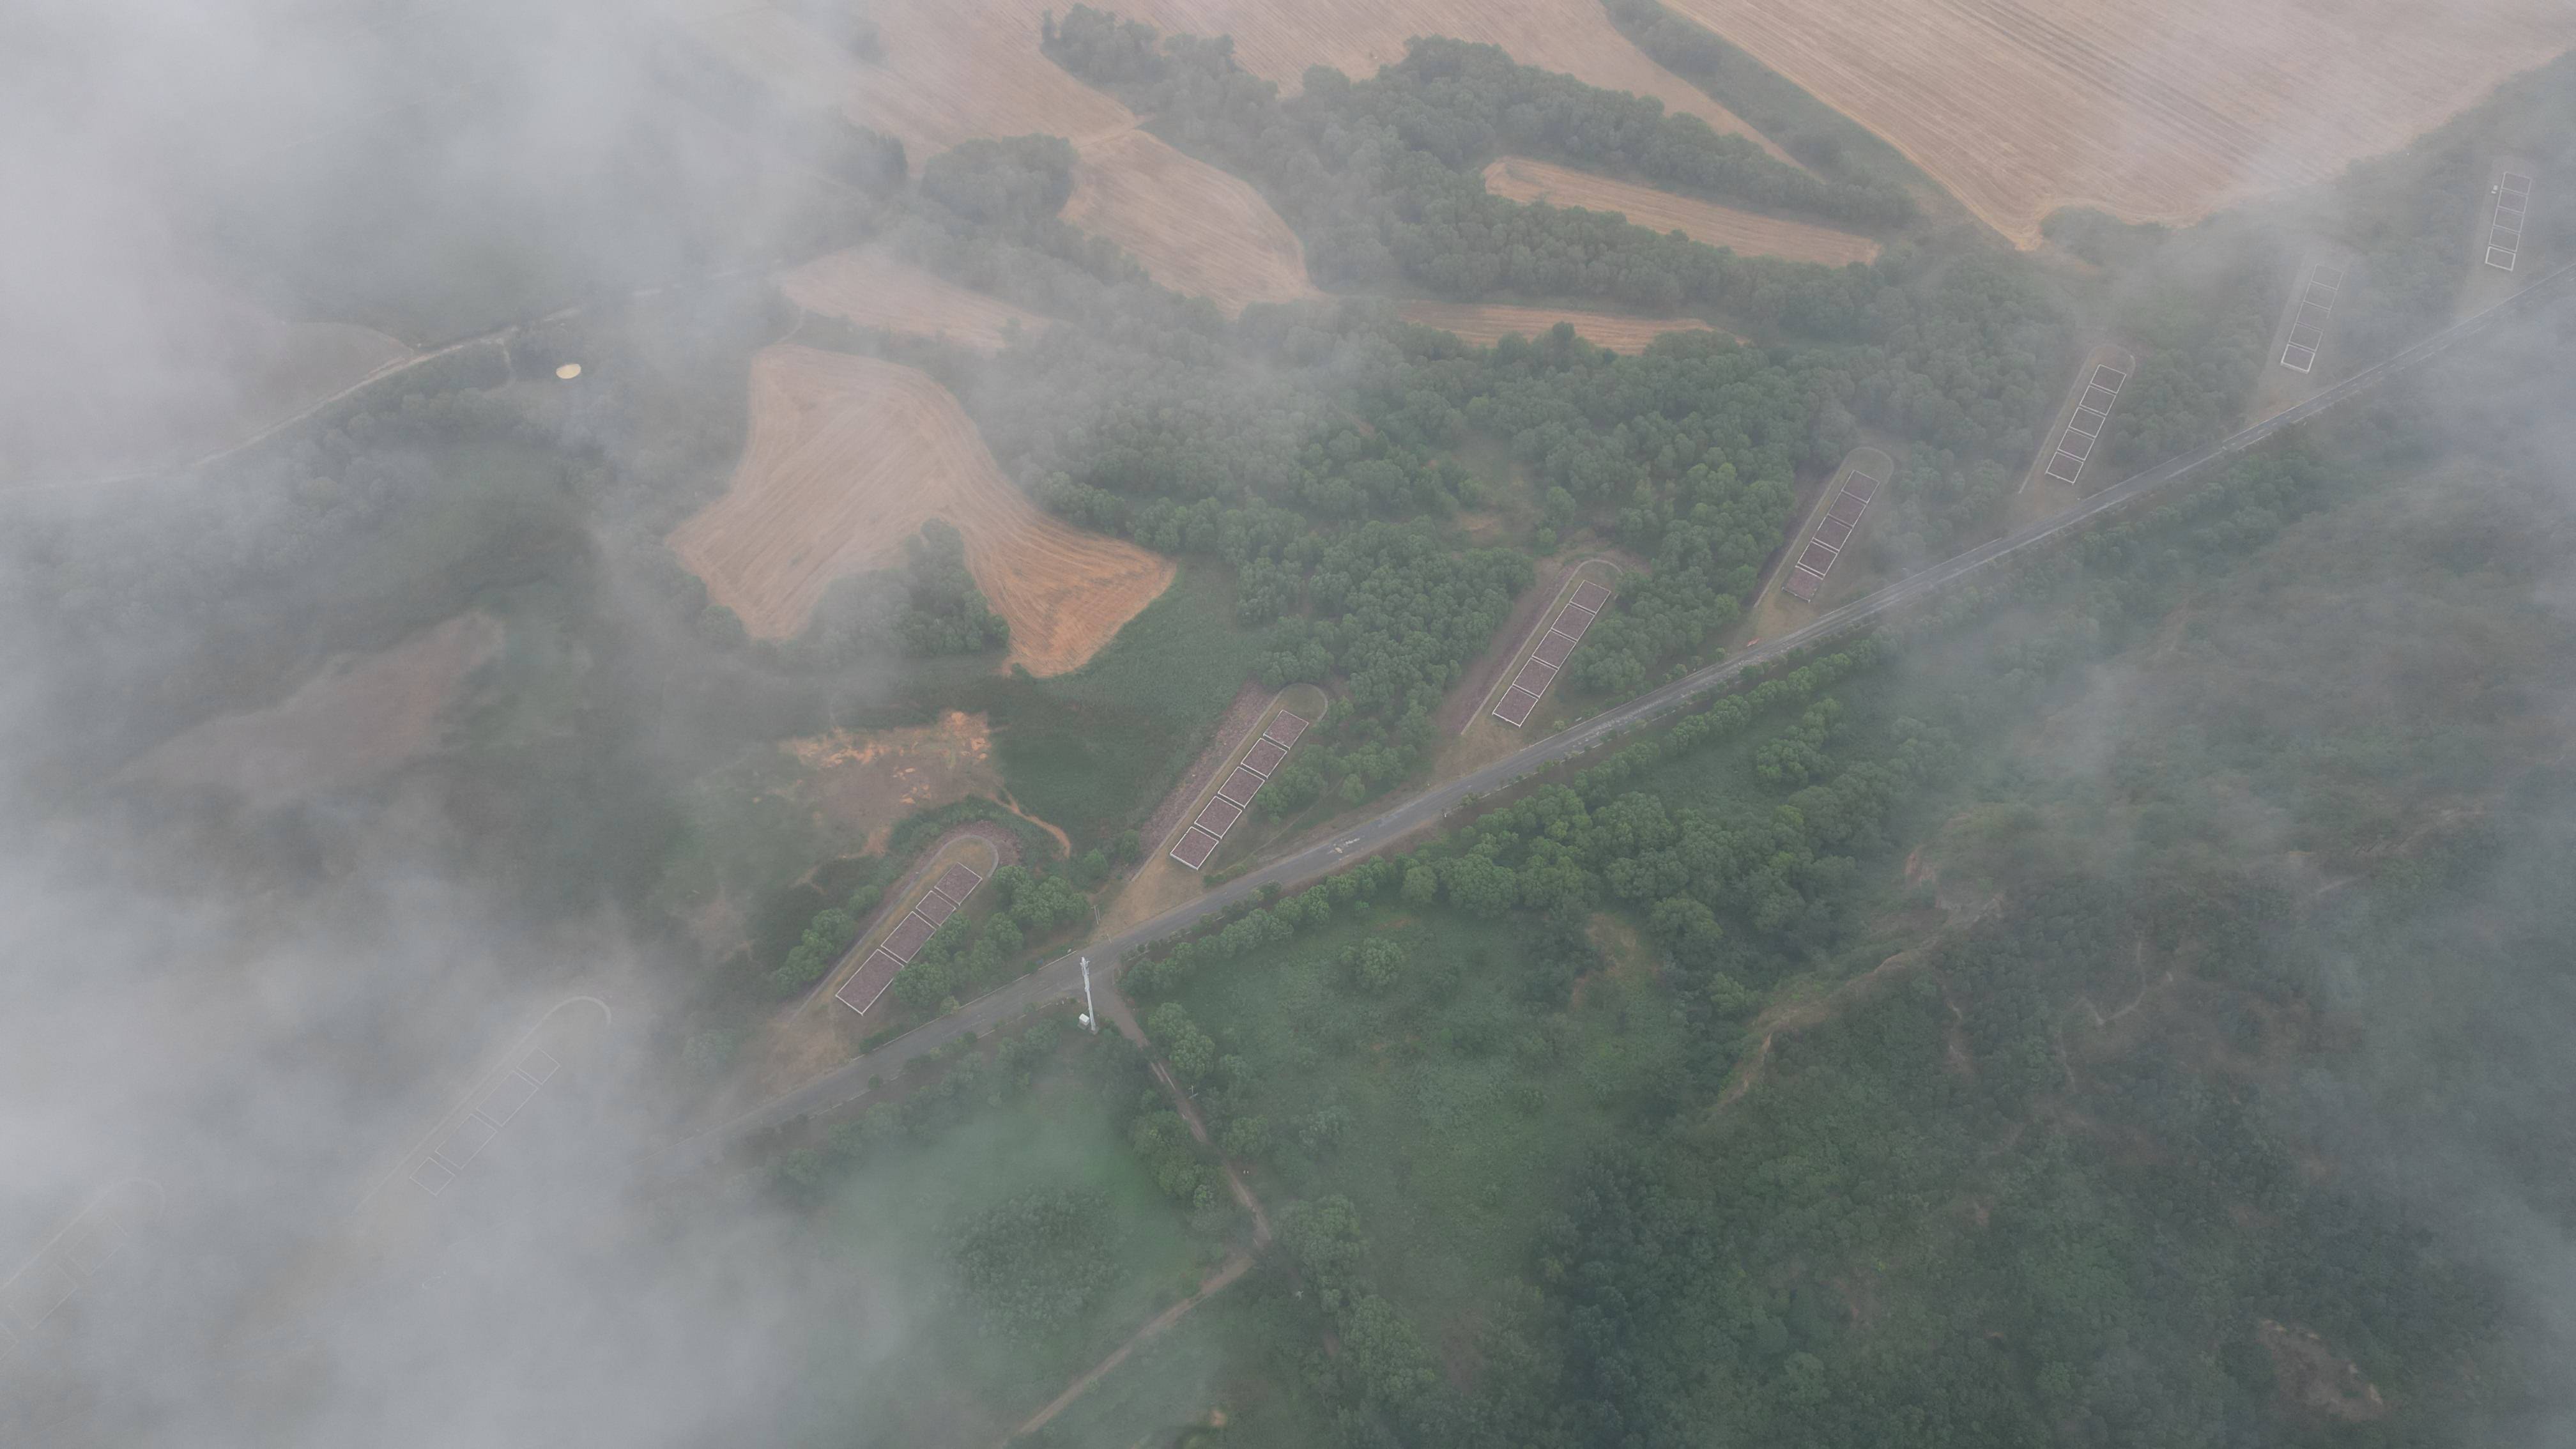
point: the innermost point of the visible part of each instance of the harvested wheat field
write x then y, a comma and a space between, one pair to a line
357, 720
2158, 112
1487, 323
849, 456
949, 71
872, 289
1195, 228
1751, 233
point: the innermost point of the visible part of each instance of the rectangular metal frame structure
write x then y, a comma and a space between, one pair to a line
869, 982
1285, 728
2084, 426
2504, 228
1264, 757
1547, 658
2308, 317
1195, 847
1240, 786
957, 882
1831, 537
1219, 816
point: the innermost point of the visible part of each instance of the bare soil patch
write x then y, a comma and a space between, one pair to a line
1194, 228
848, 457
867, 782
2151, 112
872, 289
1485, 323
359, 719
1751, 233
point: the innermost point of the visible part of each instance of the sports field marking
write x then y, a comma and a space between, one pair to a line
2308, 317
2504, 232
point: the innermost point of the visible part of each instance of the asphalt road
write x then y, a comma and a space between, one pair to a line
1062, 977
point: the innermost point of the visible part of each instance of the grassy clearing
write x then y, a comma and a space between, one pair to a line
1437, 1106
1094, 750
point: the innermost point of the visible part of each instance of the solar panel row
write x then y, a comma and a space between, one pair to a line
1539, 670
1242, 783
2308, 317
2084, 428
2504, 233
499, 1103
1826, 544
936, 905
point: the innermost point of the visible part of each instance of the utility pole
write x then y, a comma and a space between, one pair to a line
1090, 1016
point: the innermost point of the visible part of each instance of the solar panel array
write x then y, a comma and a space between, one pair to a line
1539, 671
904, 942
1241, 783
1831, 537
2308, 321
2084, 429
2504, 234
500, 1102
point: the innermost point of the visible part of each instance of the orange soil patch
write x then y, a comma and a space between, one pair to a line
1194, 228
849, 456
1485, 323
1523, 179
873, 289
867, 781
355, 721
2151, 112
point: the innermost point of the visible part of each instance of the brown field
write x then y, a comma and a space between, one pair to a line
1485, 323
357, 720
2159, 112
956, 70
849, 456
865, 782
1523, 179
1195, 228
872, 289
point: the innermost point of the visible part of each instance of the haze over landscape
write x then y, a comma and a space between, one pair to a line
1551, 723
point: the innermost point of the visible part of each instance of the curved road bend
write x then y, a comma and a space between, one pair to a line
1062, 977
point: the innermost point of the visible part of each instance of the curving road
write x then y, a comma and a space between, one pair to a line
1061, 978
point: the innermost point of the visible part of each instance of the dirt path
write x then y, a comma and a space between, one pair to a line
1114, 1009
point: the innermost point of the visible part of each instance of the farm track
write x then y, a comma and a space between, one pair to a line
1058, 979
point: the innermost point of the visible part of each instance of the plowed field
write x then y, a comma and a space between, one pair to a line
1523, 179
849, 456
1486, 323
2154, 112
1195, 228
875, 290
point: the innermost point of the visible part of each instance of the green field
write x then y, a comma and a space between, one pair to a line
1092, 752
1446, 1098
